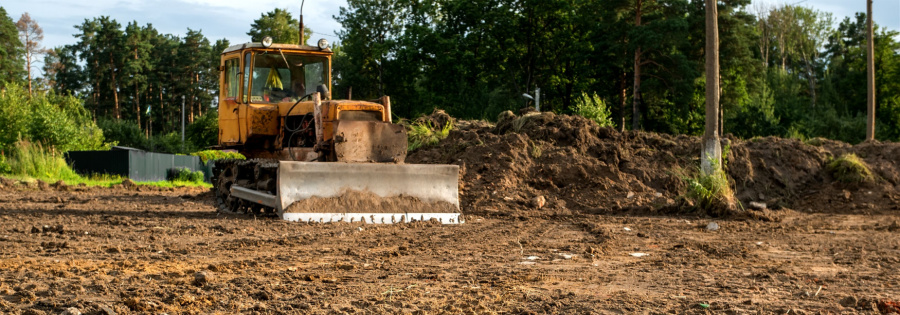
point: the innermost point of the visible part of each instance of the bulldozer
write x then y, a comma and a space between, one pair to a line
308, 154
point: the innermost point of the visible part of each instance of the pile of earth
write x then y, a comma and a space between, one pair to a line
555, 164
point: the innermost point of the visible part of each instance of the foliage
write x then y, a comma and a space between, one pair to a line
171, 143
422, 134
849, 168
204, 132
12, 62
212, 155
58, 122
5, 168
280, 25
123, 133
593, 108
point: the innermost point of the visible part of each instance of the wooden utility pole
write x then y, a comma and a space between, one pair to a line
870, 75
636, 98
711, 155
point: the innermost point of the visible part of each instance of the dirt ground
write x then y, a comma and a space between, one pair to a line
562, 217
124, 251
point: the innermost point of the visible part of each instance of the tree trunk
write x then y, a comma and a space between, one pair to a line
115, 88
29, 75
711, 158
636, 97
137, 105
870, 61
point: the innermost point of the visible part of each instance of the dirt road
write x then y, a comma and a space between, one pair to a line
121, 251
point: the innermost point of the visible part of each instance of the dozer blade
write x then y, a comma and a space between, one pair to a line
369, 141
367, 192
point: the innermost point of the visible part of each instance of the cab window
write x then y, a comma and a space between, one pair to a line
285, 77
247, 59
232, 78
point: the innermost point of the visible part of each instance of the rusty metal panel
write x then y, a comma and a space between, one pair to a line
263, 120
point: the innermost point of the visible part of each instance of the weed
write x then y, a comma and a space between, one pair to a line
520, 122
423, 134
536, 150
711, 193
849, 168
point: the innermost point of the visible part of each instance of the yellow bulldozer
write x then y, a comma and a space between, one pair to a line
310, 157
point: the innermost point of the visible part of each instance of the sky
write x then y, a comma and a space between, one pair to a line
231, 19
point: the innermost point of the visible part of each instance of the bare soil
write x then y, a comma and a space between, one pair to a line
612, 236
353, 201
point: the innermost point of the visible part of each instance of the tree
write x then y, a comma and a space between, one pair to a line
11, 50
280, 25
31, 35
711, 156
870, 77
62, 71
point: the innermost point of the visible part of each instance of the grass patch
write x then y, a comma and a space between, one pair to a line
31, 161
210, 155
711, 193
519, 123
423, 134
28, 159
849, 168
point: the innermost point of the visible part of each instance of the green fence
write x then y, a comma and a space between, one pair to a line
135, 164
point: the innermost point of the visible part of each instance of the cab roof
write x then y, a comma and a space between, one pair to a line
273, 46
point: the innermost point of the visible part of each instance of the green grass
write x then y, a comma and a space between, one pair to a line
423, 134
711, 193
28, 162
849, 168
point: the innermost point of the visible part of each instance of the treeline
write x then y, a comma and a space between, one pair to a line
785, 70
135, 73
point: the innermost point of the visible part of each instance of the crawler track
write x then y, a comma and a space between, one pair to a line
257, 174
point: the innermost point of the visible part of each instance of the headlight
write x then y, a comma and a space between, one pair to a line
267, 41
323, 44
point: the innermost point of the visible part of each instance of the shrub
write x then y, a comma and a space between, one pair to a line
55, 121
204, 131
849, 168
4, 165
186, 175
212, 155
124, 133
171, 143
593, 108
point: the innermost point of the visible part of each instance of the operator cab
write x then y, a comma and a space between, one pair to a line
270, 74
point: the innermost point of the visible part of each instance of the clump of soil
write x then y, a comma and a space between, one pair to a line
353, 201
579, 166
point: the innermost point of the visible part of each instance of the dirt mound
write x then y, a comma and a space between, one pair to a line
578, 166
367, 202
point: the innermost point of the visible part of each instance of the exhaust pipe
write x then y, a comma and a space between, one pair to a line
301, 22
